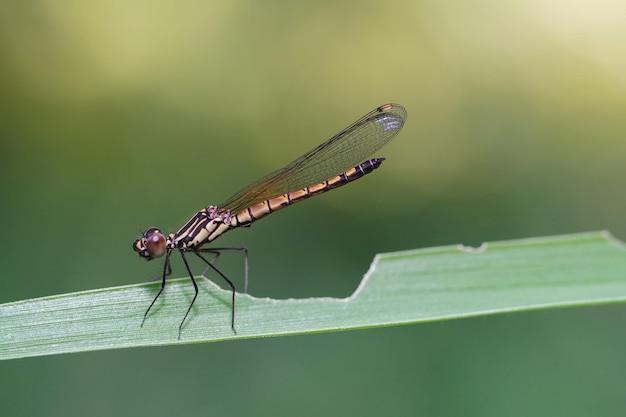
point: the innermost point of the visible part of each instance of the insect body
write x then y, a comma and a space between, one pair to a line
334, 163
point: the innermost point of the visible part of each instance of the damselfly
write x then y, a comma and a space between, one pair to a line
334, 163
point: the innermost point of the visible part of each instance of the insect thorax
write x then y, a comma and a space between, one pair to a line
205, 226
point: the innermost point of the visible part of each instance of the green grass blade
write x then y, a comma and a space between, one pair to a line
404, 287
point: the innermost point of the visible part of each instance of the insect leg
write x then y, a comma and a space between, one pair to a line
230, 284
167, 269
195, 287
217, 252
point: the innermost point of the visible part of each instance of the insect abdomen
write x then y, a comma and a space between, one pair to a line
262, 209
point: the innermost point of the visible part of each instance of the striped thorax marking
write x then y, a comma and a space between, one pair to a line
205, 226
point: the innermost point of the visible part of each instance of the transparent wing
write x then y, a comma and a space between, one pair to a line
343, 151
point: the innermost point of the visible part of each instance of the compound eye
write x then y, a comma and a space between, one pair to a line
155, 243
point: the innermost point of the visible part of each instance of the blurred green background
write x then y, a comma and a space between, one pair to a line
116, 116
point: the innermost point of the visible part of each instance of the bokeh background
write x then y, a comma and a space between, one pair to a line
120, 115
